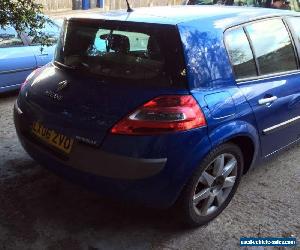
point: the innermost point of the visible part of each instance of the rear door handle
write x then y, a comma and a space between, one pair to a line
267, 101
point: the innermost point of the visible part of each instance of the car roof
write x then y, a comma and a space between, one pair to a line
173, 15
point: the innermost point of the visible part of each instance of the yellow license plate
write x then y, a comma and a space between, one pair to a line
53, 138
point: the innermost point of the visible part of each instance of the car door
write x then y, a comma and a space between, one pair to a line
16, 59
267, 71
43, 54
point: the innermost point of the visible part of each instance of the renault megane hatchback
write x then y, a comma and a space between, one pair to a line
168, 105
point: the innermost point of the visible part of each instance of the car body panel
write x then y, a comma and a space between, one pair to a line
286, 107
88, 116
205, 54
43, 54
226, 127
220, 104
15, 64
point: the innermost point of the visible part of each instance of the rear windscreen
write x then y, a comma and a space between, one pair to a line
143, 53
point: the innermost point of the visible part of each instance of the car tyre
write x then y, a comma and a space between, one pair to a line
212, 186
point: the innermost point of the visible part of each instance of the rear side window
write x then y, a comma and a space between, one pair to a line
141, 53
240, 54
295, 23
9, 38
272, 46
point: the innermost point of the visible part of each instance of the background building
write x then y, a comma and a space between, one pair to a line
65, 5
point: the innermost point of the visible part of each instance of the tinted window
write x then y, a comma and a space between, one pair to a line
9, 37
295, 23
136, 52
114, 53
240, 54
272, 46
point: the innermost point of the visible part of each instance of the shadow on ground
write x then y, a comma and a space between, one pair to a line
36, 197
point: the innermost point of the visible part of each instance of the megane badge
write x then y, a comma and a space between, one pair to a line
62, 85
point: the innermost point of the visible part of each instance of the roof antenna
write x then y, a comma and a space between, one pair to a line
128, 7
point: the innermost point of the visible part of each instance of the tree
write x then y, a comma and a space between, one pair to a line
24, 15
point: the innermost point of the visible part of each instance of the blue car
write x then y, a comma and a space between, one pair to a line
166, 106
20, 55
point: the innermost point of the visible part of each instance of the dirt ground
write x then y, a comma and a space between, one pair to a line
39, 210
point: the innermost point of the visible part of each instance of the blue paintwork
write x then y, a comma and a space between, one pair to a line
220, 105
287, 106
24, 59
15, 58
91, 107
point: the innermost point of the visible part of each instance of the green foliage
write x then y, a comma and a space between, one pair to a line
24, 15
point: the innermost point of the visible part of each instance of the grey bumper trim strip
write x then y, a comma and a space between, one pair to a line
281, 125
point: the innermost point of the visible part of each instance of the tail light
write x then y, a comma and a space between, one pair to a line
29, 77
161, 115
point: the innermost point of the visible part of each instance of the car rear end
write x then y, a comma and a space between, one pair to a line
114, 111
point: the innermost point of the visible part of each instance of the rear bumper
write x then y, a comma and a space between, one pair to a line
87, 158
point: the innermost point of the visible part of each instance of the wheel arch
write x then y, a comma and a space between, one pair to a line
237, 132
247, 147
242, 134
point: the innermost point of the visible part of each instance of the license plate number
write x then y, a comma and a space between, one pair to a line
57, 140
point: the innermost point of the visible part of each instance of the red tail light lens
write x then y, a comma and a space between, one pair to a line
161, 115
29, 77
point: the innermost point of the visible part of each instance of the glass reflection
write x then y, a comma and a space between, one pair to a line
240, 54
272, 46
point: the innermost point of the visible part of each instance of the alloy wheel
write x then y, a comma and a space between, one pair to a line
215, 184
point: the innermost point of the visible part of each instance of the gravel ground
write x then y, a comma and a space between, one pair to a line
39, 210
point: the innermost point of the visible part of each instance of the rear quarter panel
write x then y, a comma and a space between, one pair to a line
212, 83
